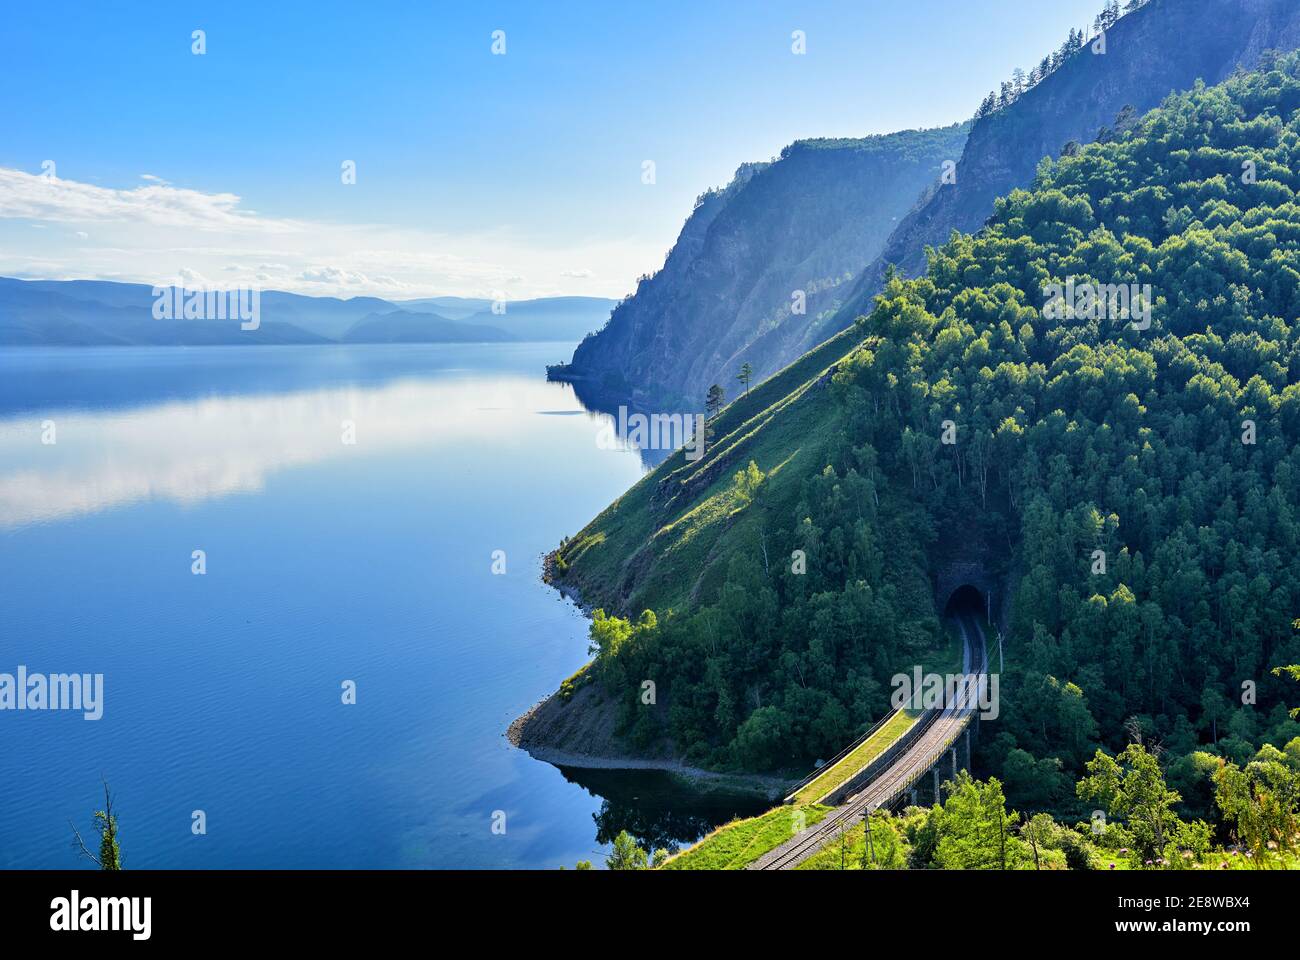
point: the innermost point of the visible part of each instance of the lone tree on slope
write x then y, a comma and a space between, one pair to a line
746, 375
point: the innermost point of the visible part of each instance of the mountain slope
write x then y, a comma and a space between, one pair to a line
678, 333
101, 313
1125, 473
1141, 65
807, 222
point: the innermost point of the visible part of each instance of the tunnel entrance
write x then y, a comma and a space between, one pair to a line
966, 599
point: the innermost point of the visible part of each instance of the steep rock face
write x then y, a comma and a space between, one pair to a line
810, 222
1164, 46
723, 297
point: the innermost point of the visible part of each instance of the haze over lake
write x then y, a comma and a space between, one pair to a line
325, 562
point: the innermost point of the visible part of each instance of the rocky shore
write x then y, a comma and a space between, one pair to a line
579, 732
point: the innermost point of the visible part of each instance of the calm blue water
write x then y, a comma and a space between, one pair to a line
326, 562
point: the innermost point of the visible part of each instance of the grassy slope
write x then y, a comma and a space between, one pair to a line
735, 845
637, 554
867, 751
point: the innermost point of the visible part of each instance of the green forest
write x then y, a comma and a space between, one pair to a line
1135, 824
1140, 488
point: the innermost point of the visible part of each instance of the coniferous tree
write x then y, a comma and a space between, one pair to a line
746, 374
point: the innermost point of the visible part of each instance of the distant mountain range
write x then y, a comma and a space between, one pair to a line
407, 326
105, 313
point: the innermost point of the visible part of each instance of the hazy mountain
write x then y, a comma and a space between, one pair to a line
453, 308
781, 237
91, 313
547, 318
406, 326
102, 312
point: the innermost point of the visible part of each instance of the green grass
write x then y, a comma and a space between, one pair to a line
835, 776
839, 853
644, 553
736, 845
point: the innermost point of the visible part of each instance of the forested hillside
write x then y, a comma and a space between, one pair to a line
1139, 483
723, 297
1094, 83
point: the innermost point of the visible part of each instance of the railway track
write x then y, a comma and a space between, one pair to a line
928, 748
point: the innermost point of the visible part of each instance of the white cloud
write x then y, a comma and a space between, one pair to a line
28, 196
153, 233
335, 276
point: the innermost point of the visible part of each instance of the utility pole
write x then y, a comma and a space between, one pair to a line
869, 848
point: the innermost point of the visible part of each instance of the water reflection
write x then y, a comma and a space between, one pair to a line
125, 378
189, 451
597, 402
183, 428
657, 808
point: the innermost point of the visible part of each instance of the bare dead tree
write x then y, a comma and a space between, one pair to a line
110, 856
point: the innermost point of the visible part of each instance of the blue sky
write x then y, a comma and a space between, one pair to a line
515, 175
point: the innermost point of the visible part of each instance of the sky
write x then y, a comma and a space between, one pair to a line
126, 155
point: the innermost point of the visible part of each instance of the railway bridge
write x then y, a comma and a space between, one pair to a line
932, 746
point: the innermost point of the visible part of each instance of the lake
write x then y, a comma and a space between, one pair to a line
350, 504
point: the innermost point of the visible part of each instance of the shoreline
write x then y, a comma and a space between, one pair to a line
566, 591
767, 786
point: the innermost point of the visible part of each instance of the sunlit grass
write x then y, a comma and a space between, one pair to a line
840, 773
736, 845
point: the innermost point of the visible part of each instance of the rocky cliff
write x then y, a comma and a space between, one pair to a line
783, 237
